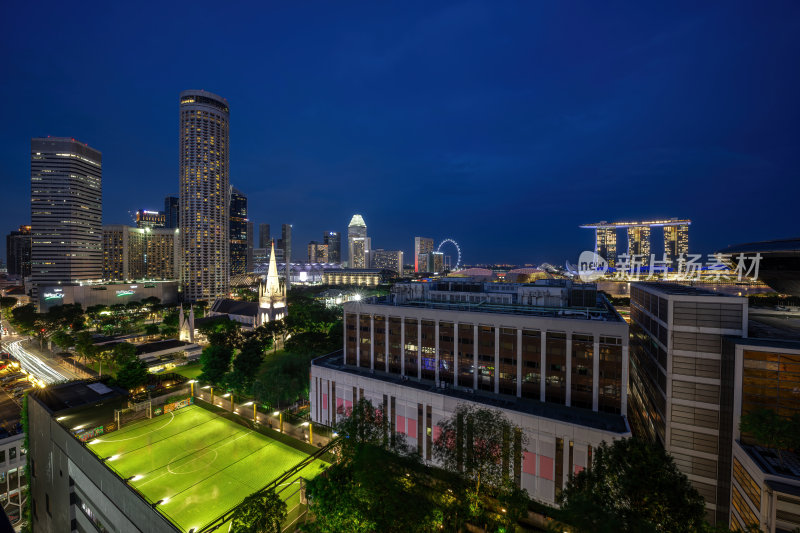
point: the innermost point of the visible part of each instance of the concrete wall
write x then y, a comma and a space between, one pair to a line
57, 457
538, 467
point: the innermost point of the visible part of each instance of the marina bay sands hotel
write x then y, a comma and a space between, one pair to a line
676, 238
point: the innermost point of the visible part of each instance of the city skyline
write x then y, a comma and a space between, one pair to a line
660, 99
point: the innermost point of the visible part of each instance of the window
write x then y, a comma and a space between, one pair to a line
12, 454
2, 456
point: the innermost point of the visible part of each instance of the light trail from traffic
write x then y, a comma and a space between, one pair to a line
34, 365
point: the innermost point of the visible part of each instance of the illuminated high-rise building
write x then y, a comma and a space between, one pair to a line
676, 238
139, 253
422, 245
606, 244
204, 195
676, 242
66, 212
639, 243
357, 245
317, 253
238, 233
334, 241
150, 219
387, 260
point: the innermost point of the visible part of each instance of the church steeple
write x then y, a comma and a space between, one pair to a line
273, 283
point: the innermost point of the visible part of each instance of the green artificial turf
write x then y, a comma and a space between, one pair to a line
201, 463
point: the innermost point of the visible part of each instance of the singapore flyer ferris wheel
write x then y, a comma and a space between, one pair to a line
458, 251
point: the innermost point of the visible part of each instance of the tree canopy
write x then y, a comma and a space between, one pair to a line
216, 363
632, 486
260, 513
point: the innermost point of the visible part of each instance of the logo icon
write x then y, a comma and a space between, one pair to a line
591, 266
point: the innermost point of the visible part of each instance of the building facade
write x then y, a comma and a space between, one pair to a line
367, 277
204, 195
66, 212
422, 245
264, 239
250, 246
676, 242
387, 260
18, 252
140, 253
559, 374
150, 219
639, 243
334, 241
765, 483
238, 233
171, 212
317, 253
13, 481
357, 246
681, 385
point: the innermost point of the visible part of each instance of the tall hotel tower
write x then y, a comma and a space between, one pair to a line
204, 195
66, 212
357, 244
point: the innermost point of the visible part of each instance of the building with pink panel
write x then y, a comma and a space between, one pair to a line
551, 356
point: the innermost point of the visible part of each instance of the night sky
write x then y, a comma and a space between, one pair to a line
502, 125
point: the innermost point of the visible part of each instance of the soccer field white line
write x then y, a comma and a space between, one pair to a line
34, 365
215, 450
142, 435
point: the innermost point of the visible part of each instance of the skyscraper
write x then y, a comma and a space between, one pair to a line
422, 245
238, 233
139, 253
334, 241
263, 236
676, 242
18, 252
250, 237
66, 212
357, 242
387, 260
317, 253
150, 219
171, 212
639, 243
204, 195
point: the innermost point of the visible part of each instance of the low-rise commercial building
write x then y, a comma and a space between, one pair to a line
369, 277
556, 370
90, 294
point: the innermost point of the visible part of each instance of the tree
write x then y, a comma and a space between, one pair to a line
481, 445
632, 486
262, 512
123, 352
246, 365
132, 373
283, 379
151, 329
63, 340
24, 317
370, 488
216, 363
7, 302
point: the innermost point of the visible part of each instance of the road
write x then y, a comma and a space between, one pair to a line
45, 369
34, 365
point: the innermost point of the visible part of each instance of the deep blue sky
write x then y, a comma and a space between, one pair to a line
502, 125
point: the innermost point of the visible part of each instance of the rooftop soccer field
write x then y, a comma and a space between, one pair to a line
199, 464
